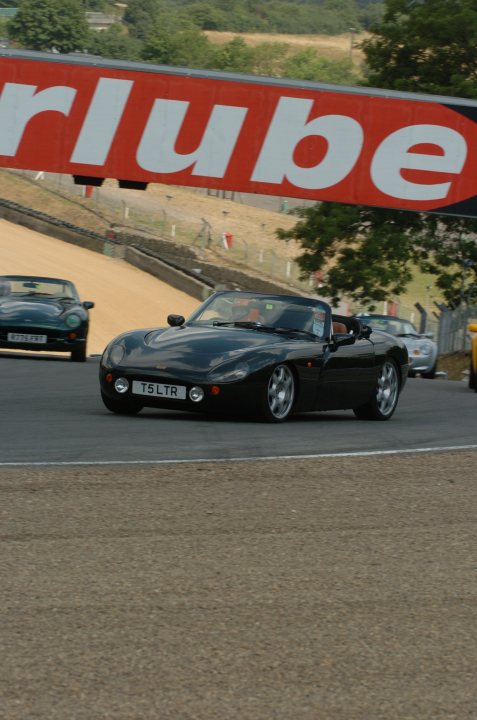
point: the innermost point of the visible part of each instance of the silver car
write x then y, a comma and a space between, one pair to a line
421, 348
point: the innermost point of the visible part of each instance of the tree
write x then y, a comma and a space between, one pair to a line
186, 48
427, 46
369, 253
308, 65
355, 260
115, 43
140, 17
50, 24
207, 17
235, 56
94, 5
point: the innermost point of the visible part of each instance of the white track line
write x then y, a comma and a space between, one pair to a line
365, 453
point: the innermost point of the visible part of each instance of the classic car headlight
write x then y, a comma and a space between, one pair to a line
116, 354
73, 320
121, 385
425, 347
229, 373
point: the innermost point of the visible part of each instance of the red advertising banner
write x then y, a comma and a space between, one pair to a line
153, 124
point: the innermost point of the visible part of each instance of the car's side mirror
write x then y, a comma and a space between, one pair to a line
175, 320
429, 335
87, 304
344, 339
472, 327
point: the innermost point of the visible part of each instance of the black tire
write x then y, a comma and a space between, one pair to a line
472, 377
431, 374
78, 354
279, 395
121, 406
385, 396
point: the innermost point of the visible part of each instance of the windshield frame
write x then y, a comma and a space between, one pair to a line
221, 309
392, 325
36, 287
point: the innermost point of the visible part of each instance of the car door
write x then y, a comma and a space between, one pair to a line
348, 375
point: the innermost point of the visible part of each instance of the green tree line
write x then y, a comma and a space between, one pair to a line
265, 16
172, 33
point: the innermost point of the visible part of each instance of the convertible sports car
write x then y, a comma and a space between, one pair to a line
263, 355
43, 313
422, 349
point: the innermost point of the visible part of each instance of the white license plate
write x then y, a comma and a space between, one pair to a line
171, 392
26, 338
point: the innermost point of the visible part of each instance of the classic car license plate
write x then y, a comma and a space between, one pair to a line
171, 392
26, 338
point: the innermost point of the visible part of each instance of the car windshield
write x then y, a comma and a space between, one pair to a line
392, 325
33, 287
265, 312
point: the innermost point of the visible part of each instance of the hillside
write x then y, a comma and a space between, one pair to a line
190, 216
176, 213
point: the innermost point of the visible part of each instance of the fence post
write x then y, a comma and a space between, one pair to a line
423, 320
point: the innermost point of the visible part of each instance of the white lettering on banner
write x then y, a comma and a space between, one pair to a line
393, 155
101, 121
156, 150
289, 125
19, 103
343, 139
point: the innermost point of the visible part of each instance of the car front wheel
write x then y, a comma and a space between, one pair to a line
120, 406
385, 396
78, 354
472, 377
430, 374
279, 395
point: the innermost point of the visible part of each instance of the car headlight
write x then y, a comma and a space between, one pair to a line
73, 320
116, 354
425, 348
229, 373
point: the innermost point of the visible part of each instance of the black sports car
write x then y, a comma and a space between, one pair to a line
263, 355
43, 313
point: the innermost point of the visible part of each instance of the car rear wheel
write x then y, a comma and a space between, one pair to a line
279, 395
385, 397
78, 354
120, 406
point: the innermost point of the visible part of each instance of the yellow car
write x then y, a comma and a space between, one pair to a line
472, 328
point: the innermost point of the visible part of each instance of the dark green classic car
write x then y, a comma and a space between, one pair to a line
43, 313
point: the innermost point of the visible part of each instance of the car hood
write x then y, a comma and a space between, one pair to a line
33, 311
415, 340
194, 351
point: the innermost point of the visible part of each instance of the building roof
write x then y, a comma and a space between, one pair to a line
98, 20
8, 12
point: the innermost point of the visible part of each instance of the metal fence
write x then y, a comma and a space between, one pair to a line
453, 335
